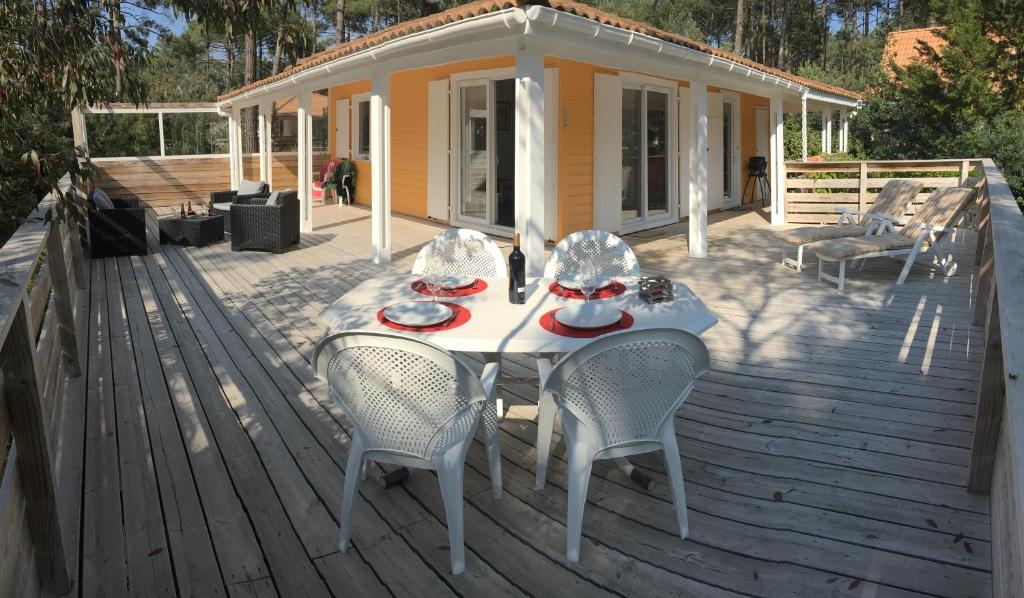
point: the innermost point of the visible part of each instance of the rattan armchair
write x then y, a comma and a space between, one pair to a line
221, 201
257, 226
117, 231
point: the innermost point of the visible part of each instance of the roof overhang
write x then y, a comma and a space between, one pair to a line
557, 32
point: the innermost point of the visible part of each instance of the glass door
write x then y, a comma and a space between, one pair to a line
486, 159
645, 153
475, 172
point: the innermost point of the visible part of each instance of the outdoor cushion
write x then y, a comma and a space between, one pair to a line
895, 196
940, 209
250, 187
101, 200
851, 247
809, 234
274, 200
223, 206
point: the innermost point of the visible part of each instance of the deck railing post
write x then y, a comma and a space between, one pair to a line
62, 299
35, 467
862, 188
72, 220
989, 415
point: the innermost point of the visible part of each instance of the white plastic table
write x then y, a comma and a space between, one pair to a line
497, 326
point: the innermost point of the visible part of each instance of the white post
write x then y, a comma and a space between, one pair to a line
803, 126
844, 131
160, 125
236, 134
262, 130
824, 132
233, 149
305, 159
380, 168
778, 163
828, 135
530, 159
698, 234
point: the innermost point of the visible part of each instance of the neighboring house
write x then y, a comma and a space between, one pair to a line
543, 116
902, 47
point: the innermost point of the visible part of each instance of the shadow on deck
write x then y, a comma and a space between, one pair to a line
824, 454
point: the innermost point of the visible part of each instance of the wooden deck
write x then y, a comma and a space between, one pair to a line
825, 453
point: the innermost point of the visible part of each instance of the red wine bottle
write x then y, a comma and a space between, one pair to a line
516, 274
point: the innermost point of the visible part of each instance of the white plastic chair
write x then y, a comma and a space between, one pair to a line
461, 251
609, 253
618, 396
412, 404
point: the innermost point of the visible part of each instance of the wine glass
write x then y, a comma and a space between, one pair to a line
588, 280
433, 285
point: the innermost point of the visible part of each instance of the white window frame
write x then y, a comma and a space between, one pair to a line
357, 100
733, 199
647, 83
458, 80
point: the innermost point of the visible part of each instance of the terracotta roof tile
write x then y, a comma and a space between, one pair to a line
901, 47
481, 7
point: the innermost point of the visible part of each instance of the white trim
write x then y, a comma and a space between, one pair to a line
304, 175
146, 110
530, 161
356, 128
803, 126
646, 84
777, 161
111, 159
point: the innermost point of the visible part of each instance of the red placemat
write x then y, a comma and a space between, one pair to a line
615, 289
478, 287
461, 317
563, 330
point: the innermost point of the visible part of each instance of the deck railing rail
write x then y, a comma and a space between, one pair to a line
41, 276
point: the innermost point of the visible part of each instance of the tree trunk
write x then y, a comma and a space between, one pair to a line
339, 22
737, 38
824, 33
279, 40
249, 140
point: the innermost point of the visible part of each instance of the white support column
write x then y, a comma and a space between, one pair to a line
263, 130
777, 162
160, 125
305, 159
233, 148
530, 160
844, 130
824, 132
828, 134
699, 164
803, 126
380, 168
237, 136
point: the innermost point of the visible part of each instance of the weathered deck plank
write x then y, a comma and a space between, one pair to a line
824, 453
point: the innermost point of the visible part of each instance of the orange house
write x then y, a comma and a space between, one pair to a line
538, 116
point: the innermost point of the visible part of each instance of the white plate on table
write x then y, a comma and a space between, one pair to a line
449, 282
588, 316
418, 314
575, 284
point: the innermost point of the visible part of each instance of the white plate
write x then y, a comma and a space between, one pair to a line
575, 284
588, 315
450, 282
418, 313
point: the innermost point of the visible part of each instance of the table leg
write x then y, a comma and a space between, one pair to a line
496, 358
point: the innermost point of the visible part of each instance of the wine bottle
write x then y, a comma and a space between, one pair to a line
182, 210
190, 211
516, 273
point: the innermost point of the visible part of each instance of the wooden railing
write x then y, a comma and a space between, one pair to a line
41, 275
815, 191
997, 457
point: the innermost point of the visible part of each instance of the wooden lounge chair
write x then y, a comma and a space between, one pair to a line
892, 202
938, 215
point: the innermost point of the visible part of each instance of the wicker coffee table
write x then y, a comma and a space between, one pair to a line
196, 231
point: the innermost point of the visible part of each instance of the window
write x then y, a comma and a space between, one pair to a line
727, 147
361, 130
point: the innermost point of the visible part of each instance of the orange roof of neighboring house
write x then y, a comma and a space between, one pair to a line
901, 47
482, 7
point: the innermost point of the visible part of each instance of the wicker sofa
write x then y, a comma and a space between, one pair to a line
261, 224
118, 230
221, 201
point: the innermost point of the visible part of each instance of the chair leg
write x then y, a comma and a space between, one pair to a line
581, 459
674, 465
348, 493
449, 476
800, 258
842, 274
911, 258
546, 410
492, 441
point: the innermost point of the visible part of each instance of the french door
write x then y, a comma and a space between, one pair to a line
646, 151
485, 150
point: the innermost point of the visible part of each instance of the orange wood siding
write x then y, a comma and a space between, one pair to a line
748, 136
341, 92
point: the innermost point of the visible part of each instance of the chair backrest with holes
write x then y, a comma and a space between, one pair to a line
622, 387
461, 251
401, 395
609, 253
